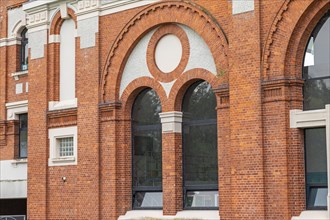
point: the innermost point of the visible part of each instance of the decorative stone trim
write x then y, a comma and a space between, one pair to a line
60, 105
151, 62
312, 215
239, 6
10, 41
16, 75
16, 108
171, 122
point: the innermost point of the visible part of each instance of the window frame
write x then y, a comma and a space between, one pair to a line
186, 189
24, 44
54, 135
134, 128
19, 141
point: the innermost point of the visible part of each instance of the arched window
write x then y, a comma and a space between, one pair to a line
200, 157
147, 151
67, 60
24, 53
316, 73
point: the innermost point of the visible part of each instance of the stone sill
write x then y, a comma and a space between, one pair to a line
313, 215
158, 214
16, 75
63, 159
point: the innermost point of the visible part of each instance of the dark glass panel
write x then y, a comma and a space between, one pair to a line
316, 94
316, 70
23, 136
147, 151
316, 168
200, 163
24, 50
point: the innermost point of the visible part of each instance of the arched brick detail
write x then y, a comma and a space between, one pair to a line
135, 87
57, 21
288, 35
186, 13
151, 61
301, 34
183, 82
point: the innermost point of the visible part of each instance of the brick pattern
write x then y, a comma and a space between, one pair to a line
258, 56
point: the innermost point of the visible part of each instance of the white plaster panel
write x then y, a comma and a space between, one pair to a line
87, 29
19, 88
67, 60
136, 65
200, 53
15, 16
167, 87
241, 6
37, 41
13, 179
168, 53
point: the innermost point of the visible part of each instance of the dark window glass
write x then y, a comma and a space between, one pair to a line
23, 136
316, 168
147, 151
316, 70
24, 50
200, 163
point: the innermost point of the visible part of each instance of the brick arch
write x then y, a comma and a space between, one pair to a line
182, 12
57, 21
135, 87
288, 31
302, 32
181, 85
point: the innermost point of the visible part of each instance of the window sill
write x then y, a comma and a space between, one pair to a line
16, 75
19, 161
158, 214
63, 159
313, 215
66, 104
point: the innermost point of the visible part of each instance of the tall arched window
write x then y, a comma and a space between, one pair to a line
147, 151
24, 50
316, 73
200, 157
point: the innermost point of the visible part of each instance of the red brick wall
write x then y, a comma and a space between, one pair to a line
261, 160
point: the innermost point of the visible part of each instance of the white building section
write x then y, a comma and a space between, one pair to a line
13, 179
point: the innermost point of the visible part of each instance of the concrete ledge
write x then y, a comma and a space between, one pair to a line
158, 214
312, 215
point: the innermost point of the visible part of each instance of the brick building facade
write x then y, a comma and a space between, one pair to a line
172, 109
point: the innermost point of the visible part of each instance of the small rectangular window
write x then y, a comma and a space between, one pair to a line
65, 147
23, 136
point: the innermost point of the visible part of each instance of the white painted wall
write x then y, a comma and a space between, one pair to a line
67, 60
200, 53
13, 179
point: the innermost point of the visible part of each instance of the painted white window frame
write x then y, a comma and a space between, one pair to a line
312, 119
54, 135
